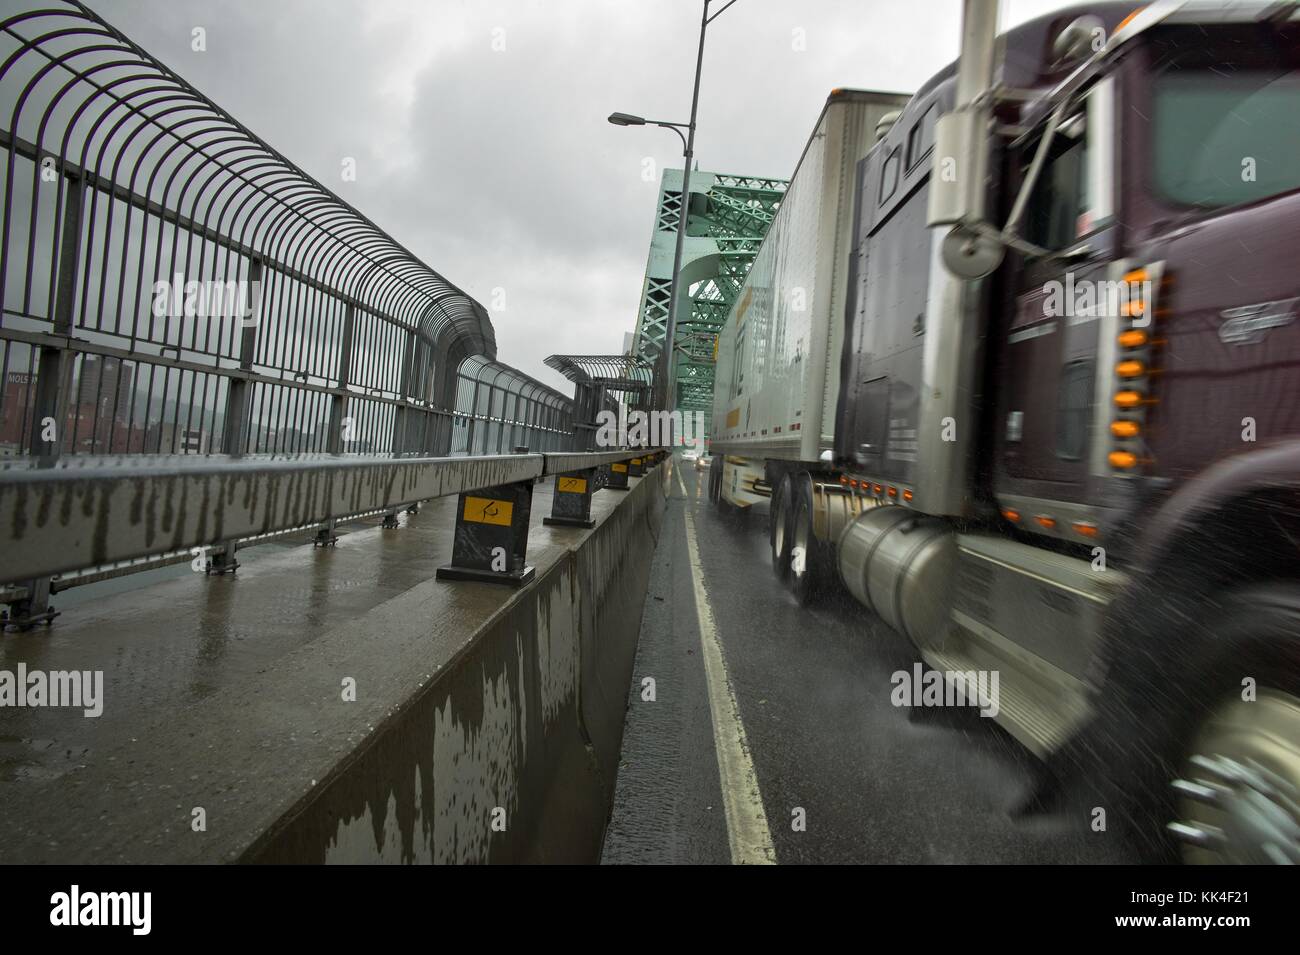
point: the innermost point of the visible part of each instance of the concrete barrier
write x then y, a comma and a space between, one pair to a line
485, 723
510, 753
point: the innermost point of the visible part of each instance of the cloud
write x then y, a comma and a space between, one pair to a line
479, 131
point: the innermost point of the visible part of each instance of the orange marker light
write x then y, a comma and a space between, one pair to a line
843, 479
1125, 429
1128, 19
853, 484
1012, 515
1128, 399
1084, 528
1130, 369
907, 495
877, 488
1133, 338
1122, 459
893, 492
1136, 277
1044, 521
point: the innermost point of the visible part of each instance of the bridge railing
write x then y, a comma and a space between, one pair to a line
172, 285
133, 507
601, 384
499, 408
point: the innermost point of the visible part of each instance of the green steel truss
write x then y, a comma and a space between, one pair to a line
729, 215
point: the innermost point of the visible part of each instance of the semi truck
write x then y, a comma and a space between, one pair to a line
1022, 374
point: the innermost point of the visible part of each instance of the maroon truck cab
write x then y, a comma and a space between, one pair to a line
1084, 386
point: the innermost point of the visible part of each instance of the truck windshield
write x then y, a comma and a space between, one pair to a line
1223, 138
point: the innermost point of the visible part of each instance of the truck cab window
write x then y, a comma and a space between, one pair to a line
889, 176
921, 138
1226, 138
1074, 410
1059, 211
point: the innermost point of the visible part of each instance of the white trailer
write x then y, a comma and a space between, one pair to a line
777, 377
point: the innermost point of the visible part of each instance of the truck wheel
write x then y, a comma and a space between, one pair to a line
804, 553
715, 484
1239, 797
778, 531
1238, 792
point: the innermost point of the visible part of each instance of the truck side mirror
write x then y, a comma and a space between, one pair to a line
957, 177
958, 187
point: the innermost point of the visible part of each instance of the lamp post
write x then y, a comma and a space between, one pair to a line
667, 391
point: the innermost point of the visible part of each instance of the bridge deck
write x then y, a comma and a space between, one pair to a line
226, 692
866, 781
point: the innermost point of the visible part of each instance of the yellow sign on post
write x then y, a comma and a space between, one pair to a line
487, 510
571, 485
620, 468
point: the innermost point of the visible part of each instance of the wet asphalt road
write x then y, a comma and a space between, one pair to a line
811, 685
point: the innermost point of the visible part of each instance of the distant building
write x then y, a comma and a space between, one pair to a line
97, 422
106, 383
170, 437
15, 411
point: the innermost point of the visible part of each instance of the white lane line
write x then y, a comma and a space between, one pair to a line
680, 483
747, 831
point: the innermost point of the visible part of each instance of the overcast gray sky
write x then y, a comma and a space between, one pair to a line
478, 128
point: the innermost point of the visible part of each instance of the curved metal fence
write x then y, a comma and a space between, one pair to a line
603, 383
172, 284
499, 408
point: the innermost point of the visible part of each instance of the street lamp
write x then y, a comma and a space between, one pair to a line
626, 119
668, 390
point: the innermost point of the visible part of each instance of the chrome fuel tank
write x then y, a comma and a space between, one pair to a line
901, 564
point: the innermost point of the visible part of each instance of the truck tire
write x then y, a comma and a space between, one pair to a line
778, 531
736, 514
1237, 794
1201, 774
715, 483
805, 555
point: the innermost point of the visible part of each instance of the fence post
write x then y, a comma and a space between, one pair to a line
338, 421
54, 373
235, 434
235, 437
444, 369
342, 375
402, 419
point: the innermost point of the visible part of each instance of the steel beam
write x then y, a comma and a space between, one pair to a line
729, 216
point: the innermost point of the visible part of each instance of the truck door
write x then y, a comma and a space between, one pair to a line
1051, 344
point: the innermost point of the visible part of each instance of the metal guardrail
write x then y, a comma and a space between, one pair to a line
499, 408
87, 512
172, 285
600, 381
